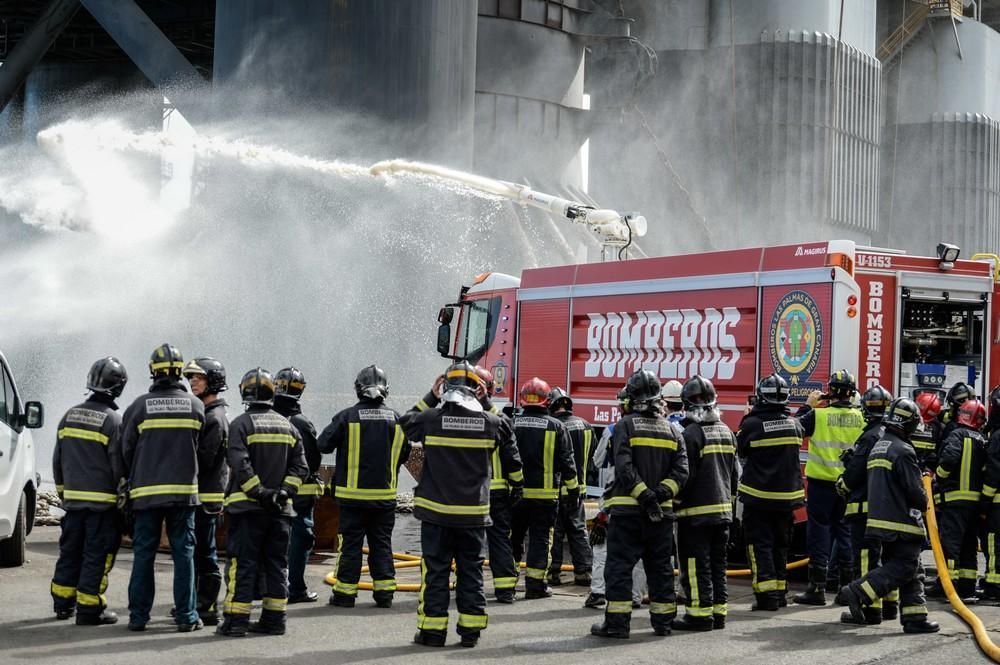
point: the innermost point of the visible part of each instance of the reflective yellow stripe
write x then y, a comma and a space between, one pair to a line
310, 489
777, 441
777, 496
432, 623
292, 481
548, 457
384, 585
721, 609
159, 490
236, 497
913, 610
719, 449
87, 434
535, 573
535, 493
965, 479
228, 605
988, 491
169, 423
766, 585
499, 484
362, 494
895, 526
496, 478
941, 473
694, 603
588, 438
639, 488
856, 508
353, 453
211, 497
167, 364
961, 495
397, 449
456, 442
445, 509
716, 509
620, 501
639, 441
473, 621
869, 591
504, 582
671, 484
571, 484
97, 497
91, 600
62, 591
754, 583
621, 607
658, 608
421, 406
517, 476
345, 589
250, 484
275, 604
269, 437
879, 464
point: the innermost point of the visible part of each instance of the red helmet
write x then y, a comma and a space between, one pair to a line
971, 413
535, 392
930, 406
486, 376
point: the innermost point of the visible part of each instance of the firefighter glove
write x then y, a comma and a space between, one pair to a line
516, 494
842, 488
599, 529
663, 493
650, 504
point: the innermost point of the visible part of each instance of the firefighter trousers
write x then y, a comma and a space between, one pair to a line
257, 545
441, 545
208, 577
867, 552
571, 522
300, 545
900, 569
534, 518
826, 527
633, 538
958, 527
597, 581
503, 566
357, 524
990, 540
88, 545
768, 535
703, 557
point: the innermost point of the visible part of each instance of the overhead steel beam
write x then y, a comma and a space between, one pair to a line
32, 46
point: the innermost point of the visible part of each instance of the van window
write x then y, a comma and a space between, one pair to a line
6, 394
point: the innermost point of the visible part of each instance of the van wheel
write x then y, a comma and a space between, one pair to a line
12, 549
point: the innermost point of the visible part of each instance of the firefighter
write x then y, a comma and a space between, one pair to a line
672, 402
705, 508
289, 384
896, 501
207, 378
161, 436
569, 522
990, 506
853, 486
267, 466
86, 467
651, 467
993, 421
946, 421
547, 455
370, 447
923, 438
506, 491
832, 424
451, 501
961, 461
770, 490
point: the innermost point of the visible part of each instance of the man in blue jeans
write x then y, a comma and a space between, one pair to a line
160, 437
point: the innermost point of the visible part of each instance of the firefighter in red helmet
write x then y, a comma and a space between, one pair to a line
923, 439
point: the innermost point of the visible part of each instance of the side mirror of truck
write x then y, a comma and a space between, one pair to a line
445, 315
34, 415
444, 339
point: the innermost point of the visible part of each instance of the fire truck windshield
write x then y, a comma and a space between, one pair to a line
477, 326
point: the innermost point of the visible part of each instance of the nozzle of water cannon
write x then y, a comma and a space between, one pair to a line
637, 223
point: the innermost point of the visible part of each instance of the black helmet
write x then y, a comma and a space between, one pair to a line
166, 360
371, 383
289, 382
958, 394
642, 388
559, 399
462, 376
211, 369
773, 389
903, 415
257, 387
874, 402
107, 377
842, 383
698, 392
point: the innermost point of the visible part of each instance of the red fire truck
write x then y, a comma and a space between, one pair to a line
906, 322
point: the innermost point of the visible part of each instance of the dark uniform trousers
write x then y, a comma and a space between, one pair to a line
900, 569
703, 555
768, 535
303, 539
534, 518
257, 545
959, 531
633, 538
867, 553
826, 531
503, 565
206, 565
571, 523
990, 539
467, 547
87, 547
357, 523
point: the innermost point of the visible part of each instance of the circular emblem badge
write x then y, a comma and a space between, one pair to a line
796, 334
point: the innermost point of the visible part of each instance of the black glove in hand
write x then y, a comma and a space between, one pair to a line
652, 507
281, 499
516, 494
663, 493
267, 498
571, 500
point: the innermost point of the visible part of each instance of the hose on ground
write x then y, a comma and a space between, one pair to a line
989, 648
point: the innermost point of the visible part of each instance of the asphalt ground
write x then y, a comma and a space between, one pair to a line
536, 632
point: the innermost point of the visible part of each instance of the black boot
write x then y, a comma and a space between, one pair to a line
873, 617
851, 597
554, 579
815, 593
595, 601
342, 600
65, 613
233, 626
890, 610
383, 599
272, 622
105, 618
534, 589
921, 625
718, 621
470, 640
764, 602
505, 596
688, 622
583, 579
846, 577
782, 597
614, 625
430, 638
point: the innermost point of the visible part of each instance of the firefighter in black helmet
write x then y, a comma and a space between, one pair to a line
161, 435
451, 501
705, 509
207, 378
370, 447
267, 465
289, 384
854, 486
896, 501
945, 423
651, 467
86, 468
770, 489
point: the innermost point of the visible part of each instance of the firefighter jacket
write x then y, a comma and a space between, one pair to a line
265, 452
370, 446
454, 487
312, 488
856, 470
961, 463
707, 497
647, 453
991, 481
831, 430
546, 454
581, 435
160, 439
86, 464
896, 497
502, 477
213, 472
926, 446
769, 442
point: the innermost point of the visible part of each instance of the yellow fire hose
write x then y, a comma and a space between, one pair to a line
991, 650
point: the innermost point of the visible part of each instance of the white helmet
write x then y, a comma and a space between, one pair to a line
672, 392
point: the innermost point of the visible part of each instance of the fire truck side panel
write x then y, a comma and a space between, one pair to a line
878, 357
499, 358
546, 324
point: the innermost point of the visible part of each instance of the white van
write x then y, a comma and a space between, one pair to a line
18, 478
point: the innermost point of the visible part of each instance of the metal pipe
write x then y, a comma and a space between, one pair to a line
32, 46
